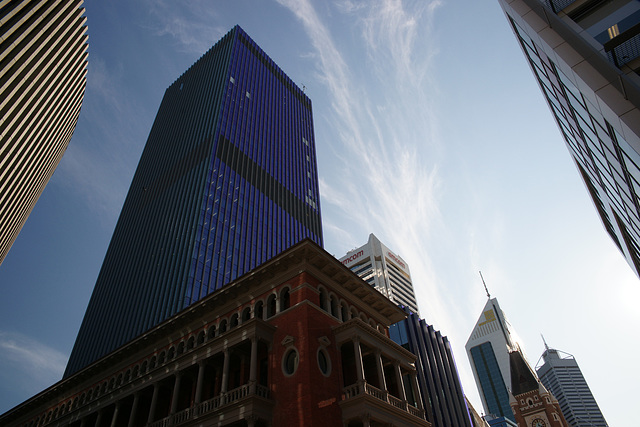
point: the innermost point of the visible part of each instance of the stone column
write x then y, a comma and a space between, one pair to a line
380, 366
114, 419
176, 393
134, 410
225, 372
416, 390
154, 402
201, 368
400, 383
357, 351
253, 367
99, 418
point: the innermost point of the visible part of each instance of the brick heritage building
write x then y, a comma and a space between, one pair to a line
532, 404
298, 341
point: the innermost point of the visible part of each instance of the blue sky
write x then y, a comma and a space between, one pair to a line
431, 133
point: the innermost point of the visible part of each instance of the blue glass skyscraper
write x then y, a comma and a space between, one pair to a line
227, 180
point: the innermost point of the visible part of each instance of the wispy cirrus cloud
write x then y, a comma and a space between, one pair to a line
34, 364
189, 27
387, 147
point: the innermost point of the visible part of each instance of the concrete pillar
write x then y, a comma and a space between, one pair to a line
253, 367
176, 393
134, 410
201, 368
379, 365
225, 372
400, 383
357, 351
154, 403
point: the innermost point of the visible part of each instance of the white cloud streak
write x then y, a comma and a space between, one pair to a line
38, 364
387, 146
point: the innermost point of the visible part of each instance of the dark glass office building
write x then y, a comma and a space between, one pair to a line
585, 56
442, 395
227, 180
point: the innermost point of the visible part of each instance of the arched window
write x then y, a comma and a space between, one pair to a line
271, 306
285, 299
246, 314
324, 300
234, 321
136, 371
354, 313
211, 333
172, 353
334, 305
259, 310
223, 326
200, 339
190, 342
180, 348
161, 358
344, 311
143, 368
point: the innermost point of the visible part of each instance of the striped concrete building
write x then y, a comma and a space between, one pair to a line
43, 68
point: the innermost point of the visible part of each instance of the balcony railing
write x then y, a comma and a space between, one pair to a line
365, 388
212, 405
625, 47
557, 5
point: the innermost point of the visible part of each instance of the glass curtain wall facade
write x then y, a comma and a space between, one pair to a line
43, 75
585, 56
227, 180
561, 375
438, 379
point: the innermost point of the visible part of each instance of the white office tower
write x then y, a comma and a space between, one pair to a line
386, 271
488, 350
560, 374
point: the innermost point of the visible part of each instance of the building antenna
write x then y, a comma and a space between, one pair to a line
485, 285
545, 343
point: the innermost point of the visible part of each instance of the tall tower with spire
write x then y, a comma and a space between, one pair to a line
488, 350
532, 404
561, 375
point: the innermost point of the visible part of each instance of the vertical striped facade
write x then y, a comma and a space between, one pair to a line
43, 68
227, 180
438, 378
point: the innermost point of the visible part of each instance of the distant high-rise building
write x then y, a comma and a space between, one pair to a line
488, 350
561, 375
383, 269
227, 180
585, 57
443, 399
43, 68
